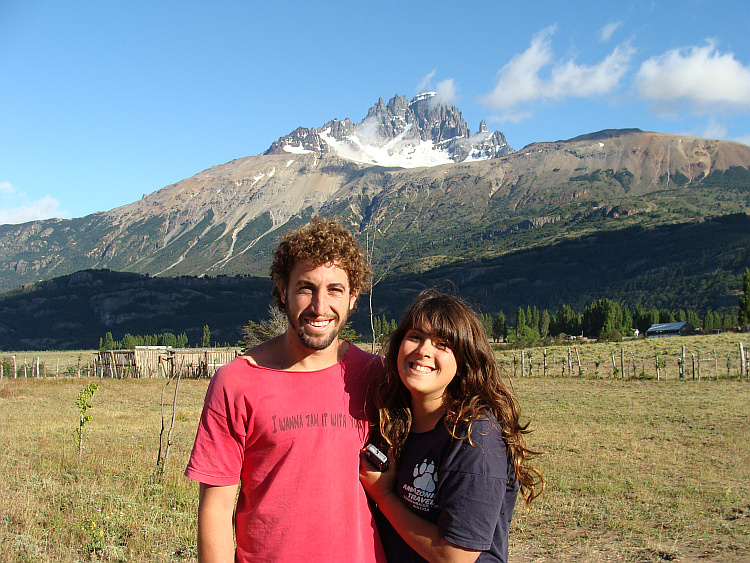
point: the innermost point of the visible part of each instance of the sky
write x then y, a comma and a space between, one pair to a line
104, 101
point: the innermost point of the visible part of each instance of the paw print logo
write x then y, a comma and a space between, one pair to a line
425, 476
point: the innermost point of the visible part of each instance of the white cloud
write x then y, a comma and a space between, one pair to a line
426, 82
6, 187
585, 81
519, 82
44, 208
605, 33
445, 92
702, 76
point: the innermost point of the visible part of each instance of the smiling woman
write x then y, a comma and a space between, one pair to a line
453, 428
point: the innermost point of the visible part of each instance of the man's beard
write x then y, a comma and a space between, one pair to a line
319, 341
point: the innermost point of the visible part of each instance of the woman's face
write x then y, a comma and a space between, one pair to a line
426, 364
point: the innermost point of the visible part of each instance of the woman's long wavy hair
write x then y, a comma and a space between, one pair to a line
476, 389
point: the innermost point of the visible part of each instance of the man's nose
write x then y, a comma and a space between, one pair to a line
319, 303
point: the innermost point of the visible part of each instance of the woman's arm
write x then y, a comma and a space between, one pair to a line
422, 535
215, 524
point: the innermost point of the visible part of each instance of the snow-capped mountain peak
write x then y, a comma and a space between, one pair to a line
401, 133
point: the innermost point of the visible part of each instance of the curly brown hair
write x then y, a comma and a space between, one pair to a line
476, 390
321, 241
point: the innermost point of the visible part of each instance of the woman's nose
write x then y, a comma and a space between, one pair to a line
424, 348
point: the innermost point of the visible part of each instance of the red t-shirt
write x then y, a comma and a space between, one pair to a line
292, 439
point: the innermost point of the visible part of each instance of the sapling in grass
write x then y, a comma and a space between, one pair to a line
83, 402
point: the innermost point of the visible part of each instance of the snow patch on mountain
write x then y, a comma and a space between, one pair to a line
421, 133
399, 151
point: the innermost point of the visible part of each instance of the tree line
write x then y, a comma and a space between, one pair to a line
603, 319
130, 341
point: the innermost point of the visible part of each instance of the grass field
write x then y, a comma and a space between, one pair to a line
638, 470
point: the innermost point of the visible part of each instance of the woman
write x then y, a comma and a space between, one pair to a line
456, 446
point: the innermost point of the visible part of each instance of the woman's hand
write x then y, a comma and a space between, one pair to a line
377, 484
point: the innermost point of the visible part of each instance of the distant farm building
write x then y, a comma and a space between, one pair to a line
662, 330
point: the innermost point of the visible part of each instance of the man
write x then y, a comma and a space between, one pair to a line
287, 420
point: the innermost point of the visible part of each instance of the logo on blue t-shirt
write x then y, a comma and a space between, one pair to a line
421, 495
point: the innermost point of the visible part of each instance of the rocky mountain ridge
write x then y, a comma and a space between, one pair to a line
420, 132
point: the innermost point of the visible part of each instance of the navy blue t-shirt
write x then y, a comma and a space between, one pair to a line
469, 491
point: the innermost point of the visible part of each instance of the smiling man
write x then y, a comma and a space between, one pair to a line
287, 421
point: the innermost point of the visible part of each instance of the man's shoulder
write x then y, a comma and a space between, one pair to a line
357, 355
264, 353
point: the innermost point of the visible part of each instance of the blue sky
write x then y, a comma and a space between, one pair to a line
103, 101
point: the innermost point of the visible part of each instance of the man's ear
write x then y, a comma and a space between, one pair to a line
281, 288
353, 296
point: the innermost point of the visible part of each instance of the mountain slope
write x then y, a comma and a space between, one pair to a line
227, 219
696, 265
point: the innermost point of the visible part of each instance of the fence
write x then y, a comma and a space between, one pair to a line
694, 363
143, 362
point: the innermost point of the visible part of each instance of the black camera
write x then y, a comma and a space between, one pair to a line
376, 457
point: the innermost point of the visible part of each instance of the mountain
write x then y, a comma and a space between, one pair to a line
484, 203
423, 132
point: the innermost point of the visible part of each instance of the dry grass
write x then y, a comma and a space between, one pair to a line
105, 507
637, 471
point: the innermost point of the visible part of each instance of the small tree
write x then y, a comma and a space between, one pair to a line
83, 402
499, 328
254, 333
744, 315
206, 338
108, 343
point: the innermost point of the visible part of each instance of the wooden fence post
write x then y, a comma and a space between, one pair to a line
682, 364
523, 364
580, 370
700, 359
622, 361
716, 364
15, 368
570, 363
658, 373
693, 357
37, 366
743, 365
545, 362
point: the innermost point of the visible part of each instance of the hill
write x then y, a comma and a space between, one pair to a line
693, 265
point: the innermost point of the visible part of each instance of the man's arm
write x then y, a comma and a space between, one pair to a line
215, 524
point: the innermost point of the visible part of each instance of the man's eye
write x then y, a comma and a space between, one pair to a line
440, 345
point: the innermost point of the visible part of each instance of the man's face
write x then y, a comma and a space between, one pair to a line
318, 301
